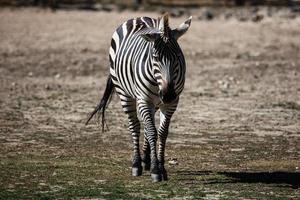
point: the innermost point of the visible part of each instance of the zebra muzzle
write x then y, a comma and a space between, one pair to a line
167, 96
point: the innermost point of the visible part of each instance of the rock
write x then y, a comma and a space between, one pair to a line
30, 74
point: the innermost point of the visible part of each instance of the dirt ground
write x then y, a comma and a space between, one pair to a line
236, 134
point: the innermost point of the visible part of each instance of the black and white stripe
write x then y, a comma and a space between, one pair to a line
148, 73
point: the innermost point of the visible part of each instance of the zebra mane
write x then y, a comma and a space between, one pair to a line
150, 30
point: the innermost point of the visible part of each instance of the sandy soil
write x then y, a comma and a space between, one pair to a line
240, 109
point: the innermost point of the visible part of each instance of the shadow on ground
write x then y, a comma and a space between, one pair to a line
281, 179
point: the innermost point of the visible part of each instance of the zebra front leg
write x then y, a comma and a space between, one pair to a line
146, 159
147, 112
165, 118
129, 107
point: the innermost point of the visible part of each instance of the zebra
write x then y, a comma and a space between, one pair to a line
147, 71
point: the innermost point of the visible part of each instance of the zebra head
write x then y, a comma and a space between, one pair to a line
167, 59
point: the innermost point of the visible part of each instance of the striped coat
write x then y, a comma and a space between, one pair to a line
147, 70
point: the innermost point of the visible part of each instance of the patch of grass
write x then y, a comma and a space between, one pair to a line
37, 177
79, 177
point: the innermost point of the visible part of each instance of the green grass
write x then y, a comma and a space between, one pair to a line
79, 177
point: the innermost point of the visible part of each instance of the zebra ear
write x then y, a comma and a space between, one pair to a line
178, 32
151, 35
164, 23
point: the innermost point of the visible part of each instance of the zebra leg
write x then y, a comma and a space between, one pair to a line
146, 159
163, 130
147, 112
146, 154
129, 107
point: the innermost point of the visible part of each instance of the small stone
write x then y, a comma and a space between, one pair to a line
293, 64
173, 161
57, 76
30, 74
226, 85
237, 149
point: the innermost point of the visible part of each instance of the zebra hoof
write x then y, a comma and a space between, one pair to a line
137, 171
164, 176
156, 178
146, 166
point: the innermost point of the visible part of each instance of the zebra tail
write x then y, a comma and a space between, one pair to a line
101, 107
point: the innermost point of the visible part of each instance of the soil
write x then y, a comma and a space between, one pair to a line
239, 112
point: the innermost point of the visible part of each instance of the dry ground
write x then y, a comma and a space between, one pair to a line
235, 134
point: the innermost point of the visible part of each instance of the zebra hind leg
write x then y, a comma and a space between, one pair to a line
147, 112
129, 107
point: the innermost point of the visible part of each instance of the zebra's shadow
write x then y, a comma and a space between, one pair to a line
280, 179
